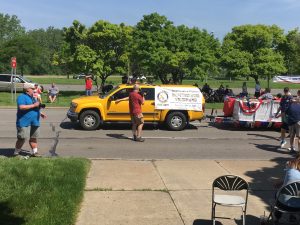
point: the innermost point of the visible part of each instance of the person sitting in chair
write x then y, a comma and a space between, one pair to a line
52, 93
292, 174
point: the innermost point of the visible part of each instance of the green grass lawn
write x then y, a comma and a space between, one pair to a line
41, 191
64, 99
59, 80
214, 83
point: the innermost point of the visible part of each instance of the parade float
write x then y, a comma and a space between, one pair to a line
247, 112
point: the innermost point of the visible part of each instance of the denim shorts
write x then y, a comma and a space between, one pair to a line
30, 131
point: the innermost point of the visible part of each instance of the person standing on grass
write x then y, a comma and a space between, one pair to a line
28, 120
283, 105
88, 85
136, 100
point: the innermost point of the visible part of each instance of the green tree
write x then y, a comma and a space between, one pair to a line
25, 49
101, 49
172, 53
268, 63
291, 51
243, 48
50, 43
10, 27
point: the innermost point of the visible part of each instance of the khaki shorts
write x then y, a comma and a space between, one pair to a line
294, 129
30, 131
137, 119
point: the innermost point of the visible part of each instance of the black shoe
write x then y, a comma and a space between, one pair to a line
140, 139
134, 137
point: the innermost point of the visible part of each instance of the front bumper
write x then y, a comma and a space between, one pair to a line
72, 116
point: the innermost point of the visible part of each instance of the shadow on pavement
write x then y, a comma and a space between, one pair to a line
118, 136
250, 220
232, 127
271, 148
265, 136
120, 126
264, 180
7, 216
9, 152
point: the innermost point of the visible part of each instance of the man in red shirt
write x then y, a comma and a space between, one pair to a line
88, 85
136, 100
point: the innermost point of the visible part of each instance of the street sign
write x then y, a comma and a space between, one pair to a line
13, 62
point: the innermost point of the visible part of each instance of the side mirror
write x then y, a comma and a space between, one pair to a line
111, 98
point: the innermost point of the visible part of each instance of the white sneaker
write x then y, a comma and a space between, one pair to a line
17, 152
282, 143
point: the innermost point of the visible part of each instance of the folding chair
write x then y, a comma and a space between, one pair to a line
229, 183
291, 195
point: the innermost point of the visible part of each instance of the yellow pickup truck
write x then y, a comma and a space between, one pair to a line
92, 111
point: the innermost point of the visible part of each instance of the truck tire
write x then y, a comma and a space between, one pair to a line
176, 121
89, 120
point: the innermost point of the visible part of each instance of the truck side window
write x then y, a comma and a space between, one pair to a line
149, 93
121, 94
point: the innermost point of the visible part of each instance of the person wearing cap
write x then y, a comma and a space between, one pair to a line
28, 119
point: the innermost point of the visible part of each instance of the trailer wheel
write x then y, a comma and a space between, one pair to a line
176, 121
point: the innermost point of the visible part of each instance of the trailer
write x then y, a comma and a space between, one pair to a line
247, 112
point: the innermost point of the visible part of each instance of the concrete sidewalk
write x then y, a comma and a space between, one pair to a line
171, 192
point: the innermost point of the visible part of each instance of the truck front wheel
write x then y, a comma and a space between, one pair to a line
176, 121
89, 120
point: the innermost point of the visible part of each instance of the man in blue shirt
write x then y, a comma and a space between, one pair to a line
284, 104
28, 119
293, 120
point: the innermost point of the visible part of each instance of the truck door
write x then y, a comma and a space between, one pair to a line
118, 111
148, 109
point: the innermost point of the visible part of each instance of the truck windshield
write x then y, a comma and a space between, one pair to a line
108, 93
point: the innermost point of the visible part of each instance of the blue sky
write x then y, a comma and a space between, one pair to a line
217, 16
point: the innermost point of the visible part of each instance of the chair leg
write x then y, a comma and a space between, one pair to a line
213, 214
244, 214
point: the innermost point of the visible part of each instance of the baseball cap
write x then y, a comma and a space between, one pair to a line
29, 85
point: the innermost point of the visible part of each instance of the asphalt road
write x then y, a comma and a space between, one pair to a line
199, 141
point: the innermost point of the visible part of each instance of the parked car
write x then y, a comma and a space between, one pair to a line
79, 76
91, 111
19, 81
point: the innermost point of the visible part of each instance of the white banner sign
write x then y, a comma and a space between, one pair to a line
287, 79
183, 98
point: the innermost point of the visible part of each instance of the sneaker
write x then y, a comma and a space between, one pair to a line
17, 152
282, 143
140, 139
134, 137
292, 150
36, 155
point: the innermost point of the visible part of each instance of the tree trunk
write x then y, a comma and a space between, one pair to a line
268, 81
